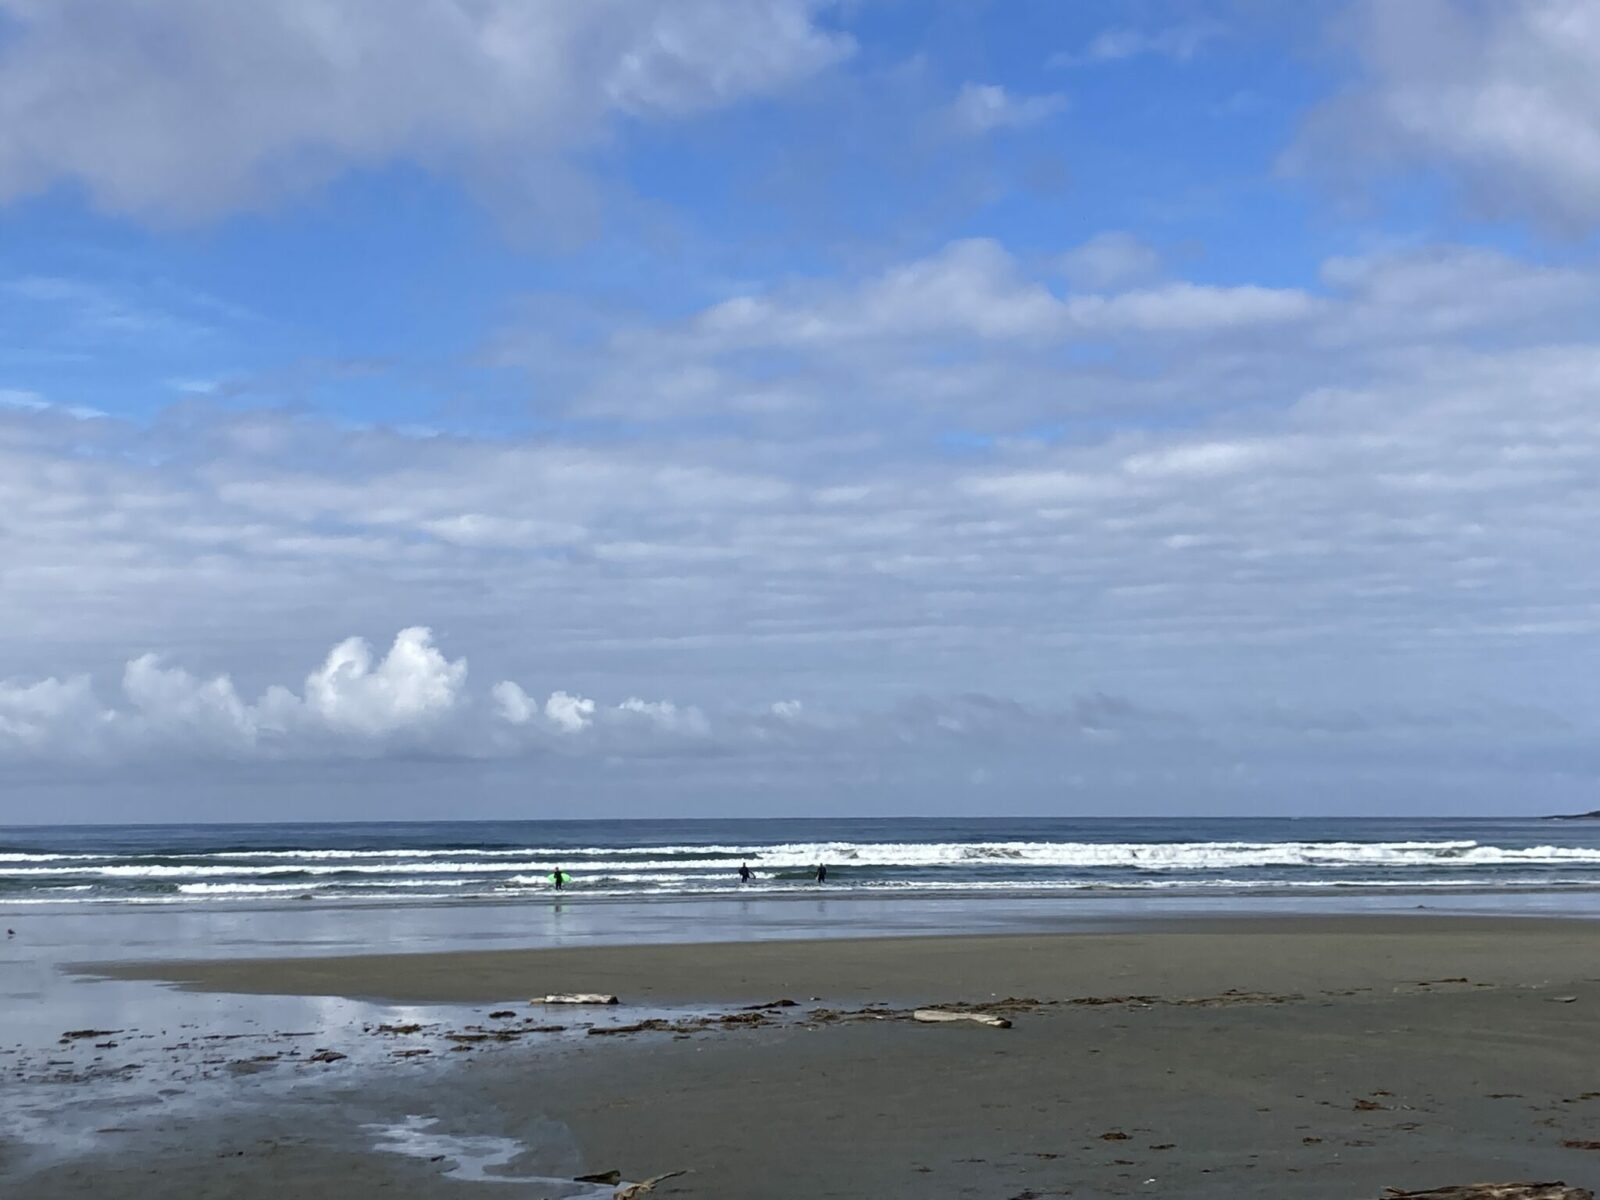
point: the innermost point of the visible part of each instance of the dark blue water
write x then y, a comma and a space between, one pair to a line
420, 862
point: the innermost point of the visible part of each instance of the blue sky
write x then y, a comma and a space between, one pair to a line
734, 406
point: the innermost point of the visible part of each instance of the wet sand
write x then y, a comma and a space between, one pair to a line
1317, 1058
1189, 956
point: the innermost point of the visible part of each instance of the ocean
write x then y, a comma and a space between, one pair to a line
441, 862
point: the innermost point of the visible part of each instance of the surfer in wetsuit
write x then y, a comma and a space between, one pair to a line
557, 878
822, 872
745, 873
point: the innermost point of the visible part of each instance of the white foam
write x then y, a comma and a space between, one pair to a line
475, 1158
290, 889
1140, 856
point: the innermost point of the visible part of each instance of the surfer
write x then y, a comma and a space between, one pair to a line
822, 872
745, 873
559, 878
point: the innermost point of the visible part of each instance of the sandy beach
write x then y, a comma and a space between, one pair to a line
1317, 1057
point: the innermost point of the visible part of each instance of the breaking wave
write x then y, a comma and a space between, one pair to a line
184, 869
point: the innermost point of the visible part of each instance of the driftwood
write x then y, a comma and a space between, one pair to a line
631, 1191
652, 1025
575, 998
1495, 1191
942, 1014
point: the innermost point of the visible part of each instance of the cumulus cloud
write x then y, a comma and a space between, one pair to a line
413, 701
33, 716
1502, 97
186, 108
981, 108
410, 686
349, 705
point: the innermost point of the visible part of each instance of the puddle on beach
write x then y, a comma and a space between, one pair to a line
484, 1158
87, 1062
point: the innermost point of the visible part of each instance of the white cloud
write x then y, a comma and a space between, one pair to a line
1190, 308
29, 401
412, 685
981, 108
351, 707
1179, 42
570, 714
35, 717
976, 289
1191, 493
1110, 261
1503, 97
414, 700
1206, 459
972, 288
1447, 290
973, 328
168, 703
188, 108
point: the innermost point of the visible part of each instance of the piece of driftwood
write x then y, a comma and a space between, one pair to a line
632, 1191
1495, 1191
576, 998
942, 1014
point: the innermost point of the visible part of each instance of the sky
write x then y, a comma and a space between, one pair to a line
511, 408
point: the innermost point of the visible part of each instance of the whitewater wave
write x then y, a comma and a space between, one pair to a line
154, 869
1134, 856
427, 891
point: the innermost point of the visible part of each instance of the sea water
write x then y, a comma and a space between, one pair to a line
417, 864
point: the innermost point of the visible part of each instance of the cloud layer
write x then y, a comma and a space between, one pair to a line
1501, 96
186, 109
1386, 479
